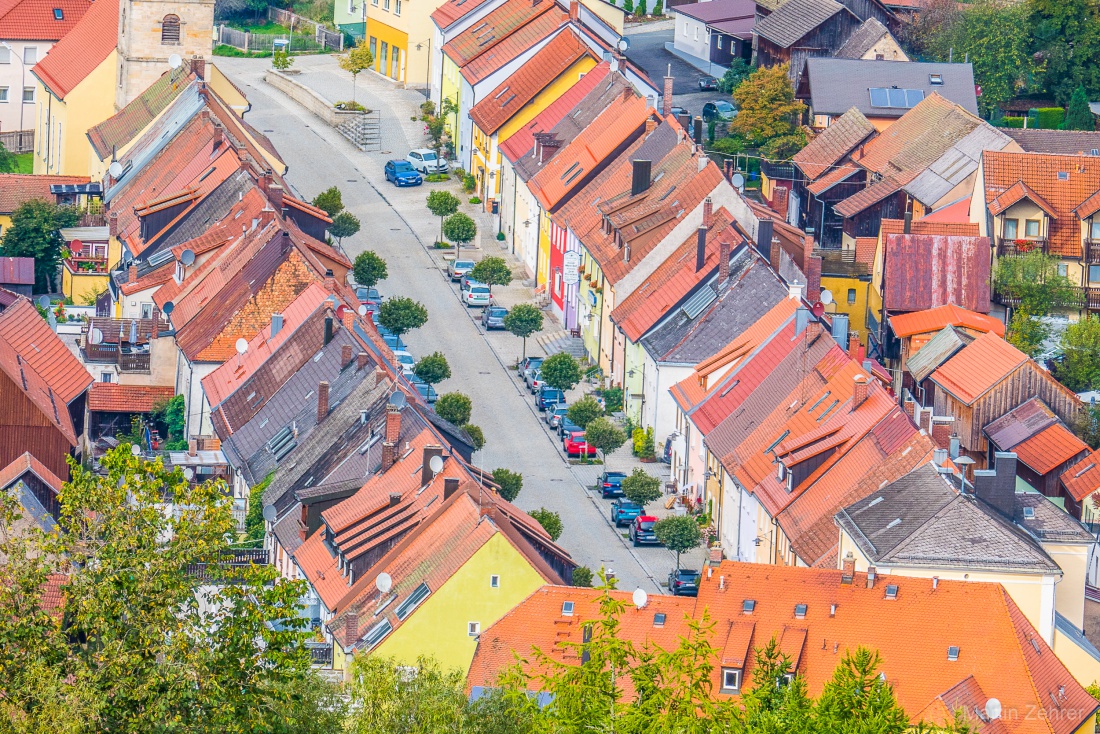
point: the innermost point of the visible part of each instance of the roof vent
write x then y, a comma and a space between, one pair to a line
799, 611
567, 609
891, 591
953, 653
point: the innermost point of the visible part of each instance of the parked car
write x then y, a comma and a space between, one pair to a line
406, 361
466, 282
677, 111
548, 397
575, 445
684, 582
456, 269
493, 317
367, 294
529, 367
565, 426
426, 161
536, 382
426, 391
641, 531
394, 342
611, 484
708, 84
478, 296
555, 414
719, 109
402, 173
623, 511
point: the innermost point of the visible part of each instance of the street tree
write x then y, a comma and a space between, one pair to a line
344, 224
736, 72
642, 487
582, 576
356, 60
1078, 114
492, 271
511, 482
369, 268
584, 411
433, 368
1080, 370
35, 232
768, 115
390, 701
550, 521
678, 533
454, 407
561, 371
1033, 279
401, 315
331, 201
604, 436
442, 204
477, 436
460, 229
523, 321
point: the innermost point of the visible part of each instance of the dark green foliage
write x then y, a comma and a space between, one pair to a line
737, 71
254, 523
858, 700
454, 407
344, 224
1087, 426
1012, 122
679, 533
460, 229
330, 200
1080, 370
477, 436
369, 268
433, 368
582, 576
584, 411
604, 435
550, 521
401, 315
511, 482
1048, 118
523, 321
561, 371
34, 233
442, 204
8, 162
492, 271
641, 487
1033, 278
613, 399
1078, 114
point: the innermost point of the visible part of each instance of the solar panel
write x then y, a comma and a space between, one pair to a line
699, 301
897, 97
879, 97
159, 258
914, 97
893, 97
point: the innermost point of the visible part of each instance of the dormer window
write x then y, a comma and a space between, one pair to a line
731, 680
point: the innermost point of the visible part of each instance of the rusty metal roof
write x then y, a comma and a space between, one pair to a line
926, 271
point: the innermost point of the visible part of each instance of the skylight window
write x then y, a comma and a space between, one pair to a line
1063, 175
659, 619
748, 605
58, 14
567, 609
953, 653
936, 79
799, 611
892, 591
1029, 513
377, 633
896, 98
418, 595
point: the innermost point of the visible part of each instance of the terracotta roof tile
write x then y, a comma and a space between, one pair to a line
927, 226
112, 397
1050, 448
82, 49
152, 279
452, 10
36, 20
865, 249
19, 188
517, 43
30, 336
116, 132
27, 463
978, 367
927, 271
1019, 424
873, 194
1083, 478
1016, 193
833, 144
933, 320
493, 29
955, 213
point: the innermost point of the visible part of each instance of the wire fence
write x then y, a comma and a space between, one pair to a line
305, 36
327, 39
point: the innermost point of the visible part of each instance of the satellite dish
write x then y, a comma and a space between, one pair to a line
135, 450
384, 582
993, 708
188, 473
738, 181
826, 297
44, 301
169, 307
398, 400
614, 66
175, 61
640, 598
340, 311
115, 169
362, 310
436, 464
95, 336
242, 345
269, 513
187, 257
817, 309
623, 44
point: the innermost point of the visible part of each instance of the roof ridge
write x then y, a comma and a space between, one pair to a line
1007, 604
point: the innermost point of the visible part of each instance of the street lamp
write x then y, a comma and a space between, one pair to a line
428, 72
22, 86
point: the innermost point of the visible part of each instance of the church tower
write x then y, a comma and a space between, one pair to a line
150, 31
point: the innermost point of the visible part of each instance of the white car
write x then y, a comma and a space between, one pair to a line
406, 361
478, 295
426, 161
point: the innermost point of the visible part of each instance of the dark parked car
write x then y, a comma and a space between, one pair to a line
719, 110
394, 342
623, 511
683, 582
493, 317
368, 294
565, 426
547, 397
708, 84
641, 531
402, 174
677, 111
611, 484
426, 391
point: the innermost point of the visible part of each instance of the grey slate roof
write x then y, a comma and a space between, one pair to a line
836, 85
862, 39
752, 291
936, 351
795, 18
1056, 142
921, 520
1047, 522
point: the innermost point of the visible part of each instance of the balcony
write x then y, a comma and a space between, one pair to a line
1082, 297
1012, 248
1092, 251
86, 265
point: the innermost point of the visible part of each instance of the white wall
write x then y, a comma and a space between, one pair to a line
15, 75
691, 36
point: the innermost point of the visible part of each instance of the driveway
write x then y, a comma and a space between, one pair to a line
647, 50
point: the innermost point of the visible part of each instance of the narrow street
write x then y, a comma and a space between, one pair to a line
398, 226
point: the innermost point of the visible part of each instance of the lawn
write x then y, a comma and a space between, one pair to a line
24, 163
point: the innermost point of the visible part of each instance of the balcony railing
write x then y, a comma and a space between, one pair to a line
1092, 251
1011, 248
76, 264
1081, 297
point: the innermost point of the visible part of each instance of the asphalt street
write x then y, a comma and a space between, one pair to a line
397, 225
647, 50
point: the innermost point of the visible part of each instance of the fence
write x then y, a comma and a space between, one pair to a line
306, 41
328, 40
18, 141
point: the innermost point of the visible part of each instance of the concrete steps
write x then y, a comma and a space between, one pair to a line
560, 341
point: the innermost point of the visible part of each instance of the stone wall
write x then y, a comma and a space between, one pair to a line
142, 56
309, 99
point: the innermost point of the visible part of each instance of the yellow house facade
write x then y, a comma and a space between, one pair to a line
63, 118
85, 271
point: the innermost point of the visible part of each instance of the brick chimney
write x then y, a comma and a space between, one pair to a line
574, 10
666, 97
345, 355
708, 213
155, 329
853, 345
132, 276
860, 391
723, 261
330, 281
941, 431
848, 568
267, 216
395, 499
450, 486
426, 473
275, 196
112, 224
997, 486
192, 447
349, 319
909, 406
925, 420
361, 360
322, 400
813, 279
389, 441
351, 628
198, 65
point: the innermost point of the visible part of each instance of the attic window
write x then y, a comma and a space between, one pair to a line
748, 605
1029, 513
891, 591
1063, 175
418, 595
936, 79
659, 619
377, 633
58, 14
567, 609
777, 441
1095, 152
799, 611
953, 653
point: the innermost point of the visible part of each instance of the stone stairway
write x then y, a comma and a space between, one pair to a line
560, 341
364, 132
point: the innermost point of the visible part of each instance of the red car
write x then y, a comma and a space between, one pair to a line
575, 445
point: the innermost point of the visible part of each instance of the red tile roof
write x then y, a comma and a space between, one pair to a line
1016, 193
83, 49
27, 463
518, 42
933, 320
155, 278
19, 188
1083, 478
926, 271
117, 131
112, 397
35, 20
978, 367
1050, 448
956, 213
553, 60
493, 28
28, 335
452, 10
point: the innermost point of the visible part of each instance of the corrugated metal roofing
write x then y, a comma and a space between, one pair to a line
926, 271
924, 322
16, 271
936, 351
1050, 448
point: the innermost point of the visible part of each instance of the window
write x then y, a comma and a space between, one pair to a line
377, 633
3, 94
494, 582
659, 619
1063, 175
696, 33
170, 30
719, 37
374, 42
412, 601
567, 609
473, 629
28, 95
731, 680
799, 611
397, 7
1063, 270
1094, 273
58, 14
685, 28
892, 591
146, 310
1011, 228
936, 79
30, 55
953, 653
5, 55
851, 296
1094, 230
106, 377
748, 605
1031, 228
385, 4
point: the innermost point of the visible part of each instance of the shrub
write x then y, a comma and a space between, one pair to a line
1048, 118
468, 183
475, 200
511, 482
1013, 122
584, 411
550, 521
350, 106
641, 487
454, 407
282, 61
728, 146
436, 177
582, 576
477, 436
613, 399
500, 237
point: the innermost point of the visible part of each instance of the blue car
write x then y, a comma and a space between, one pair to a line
623, 512
402, 174
611, 483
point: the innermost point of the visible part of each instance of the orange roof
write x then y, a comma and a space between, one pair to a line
82, 49
152, 279
1083, 478
27, 463
745, 344
497, 25
934, 319
978, 367
319, 566
36, 20
517, 43
19, 188
553, 60
452, 10
307, 208
1058, 184
999, 650
956, 213
112, 397
28, 335
1049, 449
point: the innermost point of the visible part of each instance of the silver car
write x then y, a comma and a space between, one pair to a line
555, 414
459, 268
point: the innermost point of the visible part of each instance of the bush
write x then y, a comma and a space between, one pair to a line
612, 399
550, 521
468, 183
500, 237
728, 146
437, 177
1048, 118
511, 482
282, 61
477, 436
350, 106
561, 371
454, 407
582, 576
643, 443
1013, 122
475, 200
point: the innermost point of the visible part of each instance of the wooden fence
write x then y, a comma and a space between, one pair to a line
306, 41
18, 141
328, 40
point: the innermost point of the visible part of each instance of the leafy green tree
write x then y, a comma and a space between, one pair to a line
442, 204
511, 482
477, 436
391, 699
561, 371
1065, 40
737, 71
331, 201
523, 321
172, 415
769, 116
642, 487
454, 407
433, 368
678, 533
460, 229
255, 527
857, 699
1078, 114
1080, 370
582, 576
1087, 426
550, 521
584, 411
369, 268
492, 271
281, 61
344, 224
772, 703
8, 161
1033, 279
34, 232
401, 315
355, 61
603, 435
